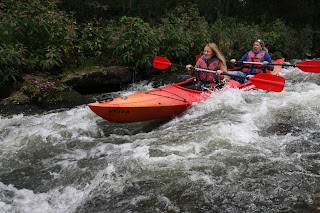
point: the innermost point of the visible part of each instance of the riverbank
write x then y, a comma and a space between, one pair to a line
41, 92
37, 92
34, 108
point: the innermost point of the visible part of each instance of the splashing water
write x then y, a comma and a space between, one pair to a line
236, 152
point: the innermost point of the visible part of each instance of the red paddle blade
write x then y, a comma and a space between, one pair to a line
309, 66
161, 63
268, 82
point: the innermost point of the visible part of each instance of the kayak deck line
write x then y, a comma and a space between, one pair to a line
159, 89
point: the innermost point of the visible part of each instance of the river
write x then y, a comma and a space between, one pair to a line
239, 151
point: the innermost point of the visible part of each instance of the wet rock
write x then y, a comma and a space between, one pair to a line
42, 91
99, 79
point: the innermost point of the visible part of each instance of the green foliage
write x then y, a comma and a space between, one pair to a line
39, 90
90, 42
134, 42
303, 43
279, 37
243, 22
52, 58
87, 11
183, 33
236, 38
12, 57
232, 37
45, 32
39, 35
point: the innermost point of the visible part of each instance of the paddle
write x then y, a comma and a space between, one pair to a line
312, 66
306, 66
268, 82
262, 81
163, 63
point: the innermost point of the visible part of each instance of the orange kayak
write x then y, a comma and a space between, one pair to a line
278, 67
160, 103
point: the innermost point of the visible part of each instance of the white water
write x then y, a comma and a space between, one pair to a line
236, 152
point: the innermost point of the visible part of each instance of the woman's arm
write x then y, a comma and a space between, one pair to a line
245, 57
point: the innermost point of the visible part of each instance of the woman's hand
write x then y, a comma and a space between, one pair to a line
219, 72
233, 61
189, 67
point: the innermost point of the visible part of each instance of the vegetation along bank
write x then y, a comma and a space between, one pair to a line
53, 48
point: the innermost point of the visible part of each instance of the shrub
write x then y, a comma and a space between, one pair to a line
183, 34
90, 43
133, 42
45, 32
12, 57
233, 38
282, 38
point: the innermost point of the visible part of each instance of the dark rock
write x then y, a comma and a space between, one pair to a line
99, 79
42, 91
6, 89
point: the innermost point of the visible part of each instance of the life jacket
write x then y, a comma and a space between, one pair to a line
207, 77
255, 57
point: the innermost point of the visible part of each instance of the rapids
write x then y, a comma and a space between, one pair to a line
239, 151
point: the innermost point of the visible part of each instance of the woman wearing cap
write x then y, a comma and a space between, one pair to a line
259, 53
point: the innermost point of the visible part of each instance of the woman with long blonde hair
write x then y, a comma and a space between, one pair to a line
212, 59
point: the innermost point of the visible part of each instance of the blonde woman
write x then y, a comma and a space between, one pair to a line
212, 59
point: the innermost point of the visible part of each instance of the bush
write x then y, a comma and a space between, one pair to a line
89, 44
12, 58
133, 42
234, 38
183, 34
282, 38
45, 33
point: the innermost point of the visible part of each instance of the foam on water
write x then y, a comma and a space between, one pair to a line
239, 151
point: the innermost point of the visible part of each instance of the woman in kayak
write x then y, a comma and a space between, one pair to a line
259, 54
212, 59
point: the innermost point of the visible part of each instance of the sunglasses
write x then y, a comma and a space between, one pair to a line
260, 41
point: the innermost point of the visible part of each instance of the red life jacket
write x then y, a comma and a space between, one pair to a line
254, 58
208, 77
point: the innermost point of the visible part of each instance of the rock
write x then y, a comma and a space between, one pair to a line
42, 91
6, 89
99, 79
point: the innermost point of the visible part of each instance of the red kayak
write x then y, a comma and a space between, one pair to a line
160, 103
171, 100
